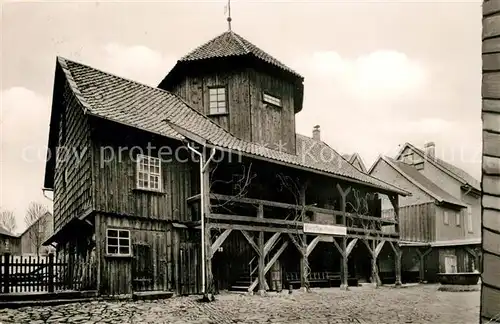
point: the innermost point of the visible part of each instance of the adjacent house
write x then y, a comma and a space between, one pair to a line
440, 222
37, 233
9, 242
356, 160
215, 138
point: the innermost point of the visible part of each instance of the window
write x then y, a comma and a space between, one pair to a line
148, 172
469, 219
408, 158
450, 264
272, 100
218, 100
457, 218
419, 165
446, 218
118, 242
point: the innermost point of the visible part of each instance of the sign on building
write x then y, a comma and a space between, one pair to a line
325, 229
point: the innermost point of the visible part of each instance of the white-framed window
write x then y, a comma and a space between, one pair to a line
446, 218
148, 172
118, 242
271, 99
470, 227
457, 218
218, 100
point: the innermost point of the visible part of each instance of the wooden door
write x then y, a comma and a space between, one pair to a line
149, 265
189, 268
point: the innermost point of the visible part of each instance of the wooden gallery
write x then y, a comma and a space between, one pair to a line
137, 167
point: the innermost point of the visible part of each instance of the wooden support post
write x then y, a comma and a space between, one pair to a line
208, 238
395, 204
344, 274
421, 267
304, 262
376, 248
398, 255
262, 278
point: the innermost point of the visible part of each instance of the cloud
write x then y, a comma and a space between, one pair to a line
376, 75
137, 62
24, 135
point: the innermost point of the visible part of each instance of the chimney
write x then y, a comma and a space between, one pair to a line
430, 149
316, 133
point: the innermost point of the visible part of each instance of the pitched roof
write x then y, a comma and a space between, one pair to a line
422, 182
457, 172
231, 44
353, 157
158, 111
5, 232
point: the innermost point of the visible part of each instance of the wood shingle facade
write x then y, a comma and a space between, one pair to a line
202, 184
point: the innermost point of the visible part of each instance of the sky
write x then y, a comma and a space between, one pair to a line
377, 73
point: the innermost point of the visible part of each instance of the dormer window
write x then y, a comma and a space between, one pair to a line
218, 100
267, 98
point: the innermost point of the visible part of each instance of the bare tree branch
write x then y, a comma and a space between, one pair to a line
37, 224
7, 220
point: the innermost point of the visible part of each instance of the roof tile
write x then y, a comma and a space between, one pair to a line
148, 108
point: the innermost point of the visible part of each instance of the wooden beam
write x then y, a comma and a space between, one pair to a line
395, 204
262, 278
269, 264
350, 247
268, 203
312, 245
304, 262
275, 257
270, 243
338, 247
392, 246
368, 246
344, 274
398, 254
379, 248
375, 275
294, 241
209, 282
219, 241
250, 219
253, 228
343, 194
283, 222
421, 268
250, 240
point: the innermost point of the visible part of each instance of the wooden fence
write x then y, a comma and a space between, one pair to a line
27, 274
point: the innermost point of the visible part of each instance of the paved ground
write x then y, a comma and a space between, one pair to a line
420, 304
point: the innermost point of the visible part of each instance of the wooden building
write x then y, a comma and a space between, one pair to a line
9, 242
138, 166
440, 222
36, 234
490, 292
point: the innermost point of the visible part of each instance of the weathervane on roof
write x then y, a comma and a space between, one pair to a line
227, 10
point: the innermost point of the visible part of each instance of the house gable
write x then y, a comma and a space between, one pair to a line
384, 170
436, 166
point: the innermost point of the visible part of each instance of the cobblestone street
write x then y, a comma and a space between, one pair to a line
419, 304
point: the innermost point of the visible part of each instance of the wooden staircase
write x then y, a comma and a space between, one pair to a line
243, 282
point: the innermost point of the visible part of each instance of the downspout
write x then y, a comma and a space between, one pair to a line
203, 167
